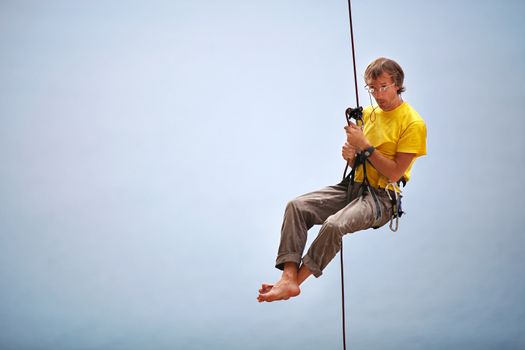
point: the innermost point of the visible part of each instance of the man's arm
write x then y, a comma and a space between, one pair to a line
393, 169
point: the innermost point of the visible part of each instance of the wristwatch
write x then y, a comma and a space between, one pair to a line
368, 151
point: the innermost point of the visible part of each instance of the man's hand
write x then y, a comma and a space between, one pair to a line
355, 137
348, 152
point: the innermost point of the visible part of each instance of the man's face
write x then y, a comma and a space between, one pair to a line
385, 92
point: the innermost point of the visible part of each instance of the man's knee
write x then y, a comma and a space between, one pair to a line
333, 227
296, 205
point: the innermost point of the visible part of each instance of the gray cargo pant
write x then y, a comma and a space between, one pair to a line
328, 206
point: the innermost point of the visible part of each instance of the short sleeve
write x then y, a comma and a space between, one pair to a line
414, 139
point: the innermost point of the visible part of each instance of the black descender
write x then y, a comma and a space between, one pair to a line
356, 114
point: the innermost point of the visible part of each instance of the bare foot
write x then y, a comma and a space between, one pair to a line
265, 288
282, 290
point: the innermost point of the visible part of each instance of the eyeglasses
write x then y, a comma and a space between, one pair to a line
381, 89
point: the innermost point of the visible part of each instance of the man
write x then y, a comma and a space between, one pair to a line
394, 135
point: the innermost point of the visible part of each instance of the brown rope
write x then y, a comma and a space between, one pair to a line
353, 53
343, 295
357, 104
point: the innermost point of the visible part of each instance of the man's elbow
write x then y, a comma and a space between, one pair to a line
395, 176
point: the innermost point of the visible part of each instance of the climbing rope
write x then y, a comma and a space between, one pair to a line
358, 117
353, 52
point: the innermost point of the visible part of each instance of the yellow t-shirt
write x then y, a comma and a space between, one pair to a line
401, 130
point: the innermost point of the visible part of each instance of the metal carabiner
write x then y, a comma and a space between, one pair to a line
395, 205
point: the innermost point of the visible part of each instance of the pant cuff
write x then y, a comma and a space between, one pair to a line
312, 266
288, 257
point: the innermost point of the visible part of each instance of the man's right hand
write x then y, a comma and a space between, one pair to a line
349, 152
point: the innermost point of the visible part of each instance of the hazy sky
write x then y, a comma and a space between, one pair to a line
148, 149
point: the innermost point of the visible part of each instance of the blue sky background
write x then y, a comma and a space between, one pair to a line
148, 149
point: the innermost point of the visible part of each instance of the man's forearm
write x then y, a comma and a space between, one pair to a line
393, 169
